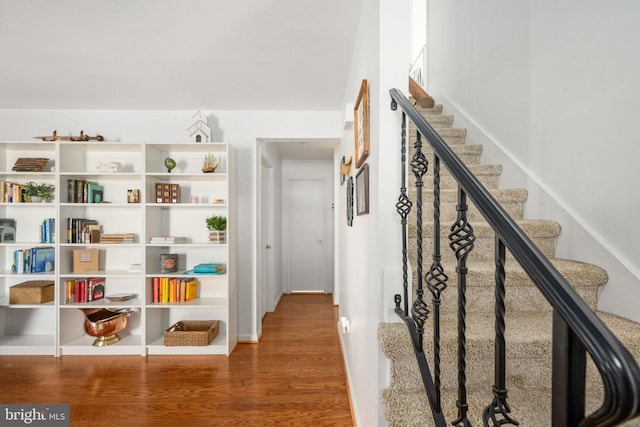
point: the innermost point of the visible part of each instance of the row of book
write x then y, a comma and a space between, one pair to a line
48, 230
169, 289
83, 191
82, 230
84, 290
11, 192
34, 260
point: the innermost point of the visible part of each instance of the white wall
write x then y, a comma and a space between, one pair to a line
551, 89
372, 246
242, 129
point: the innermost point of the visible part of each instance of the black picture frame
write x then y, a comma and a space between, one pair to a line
362, 190
350, 201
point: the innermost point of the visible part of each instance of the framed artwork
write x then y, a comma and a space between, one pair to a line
362, 190
361, 124
350, 201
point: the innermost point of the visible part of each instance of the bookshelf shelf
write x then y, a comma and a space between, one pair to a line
123, 170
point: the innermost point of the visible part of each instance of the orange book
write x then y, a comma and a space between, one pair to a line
156, 289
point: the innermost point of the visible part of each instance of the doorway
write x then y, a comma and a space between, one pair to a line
308, 226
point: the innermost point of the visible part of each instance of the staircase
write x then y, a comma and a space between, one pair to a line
528, 314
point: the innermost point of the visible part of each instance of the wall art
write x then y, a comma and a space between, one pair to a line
362, 190
361, 124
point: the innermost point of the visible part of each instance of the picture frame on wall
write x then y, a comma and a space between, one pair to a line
350, 201
362, 190
361, 124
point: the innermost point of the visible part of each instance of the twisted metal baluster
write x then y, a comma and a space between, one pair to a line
499, 406
403, 207
420, 311
462, 241
436, 281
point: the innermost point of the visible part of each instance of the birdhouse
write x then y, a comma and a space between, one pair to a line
199, 131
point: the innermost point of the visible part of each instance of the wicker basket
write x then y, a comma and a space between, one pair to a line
191, 333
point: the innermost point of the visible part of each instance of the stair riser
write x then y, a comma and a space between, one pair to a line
448, 183
437, 121
449, 214
451, 139
468, 157
484, 247
517, 298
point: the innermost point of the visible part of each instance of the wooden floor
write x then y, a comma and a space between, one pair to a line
294, 377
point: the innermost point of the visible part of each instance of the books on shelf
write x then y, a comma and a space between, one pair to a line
34, 260
47, 231
208, 268
11, 192
83, 191
80, 230
117, 238
170, 289
84, 290
167, 240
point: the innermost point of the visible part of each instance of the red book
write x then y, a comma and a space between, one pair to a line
156, 289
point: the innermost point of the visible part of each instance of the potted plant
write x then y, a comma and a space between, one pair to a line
217, 226
38, 192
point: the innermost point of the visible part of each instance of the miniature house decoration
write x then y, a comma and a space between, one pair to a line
199, 131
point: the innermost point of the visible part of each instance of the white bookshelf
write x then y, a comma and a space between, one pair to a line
56, 328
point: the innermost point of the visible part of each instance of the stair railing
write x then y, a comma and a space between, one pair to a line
576, 328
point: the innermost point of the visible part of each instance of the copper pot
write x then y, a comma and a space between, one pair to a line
105, 324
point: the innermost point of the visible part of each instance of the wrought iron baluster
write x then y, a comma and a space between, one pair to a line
462, 241
499, 409
436, 281
420, 311
403, 207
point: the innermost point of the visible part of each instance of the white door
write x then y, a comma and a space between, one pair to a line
307, 225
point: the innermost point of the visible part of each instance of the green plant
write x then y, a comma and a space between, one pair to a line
43, 190
216, 222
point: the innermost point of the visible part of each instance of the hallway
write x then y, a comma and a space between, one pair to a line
294, 377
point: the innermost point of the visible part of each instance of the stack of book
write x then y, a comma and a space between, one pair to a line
34, 260
117, 238
168, 289
30, 164
84, 290
208, 268
167, 240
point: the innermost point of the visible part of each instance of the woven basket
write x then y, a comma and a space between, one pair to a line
191, 333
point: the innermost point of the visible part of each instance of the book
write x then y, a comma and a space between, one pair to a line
167, 239
95, 193
42, 259
209, 268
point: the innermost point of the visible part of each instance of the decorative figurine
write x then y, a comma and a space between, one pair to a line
199, 131
209, 164
169, 163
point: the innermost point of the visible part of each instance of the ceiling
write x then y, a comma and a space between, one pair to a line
176, 54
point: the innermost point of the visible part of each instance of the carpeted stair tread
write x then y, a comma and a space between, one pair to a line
530, 407
488, 175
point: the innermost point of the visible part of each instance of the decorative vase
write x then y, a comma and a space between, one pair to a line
217, 236
37, 199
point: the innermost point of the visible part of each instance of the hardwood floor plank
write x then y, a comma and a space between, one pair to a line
293, 377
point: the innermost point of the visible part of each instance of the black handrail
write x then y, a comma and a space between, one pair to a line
576, 326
